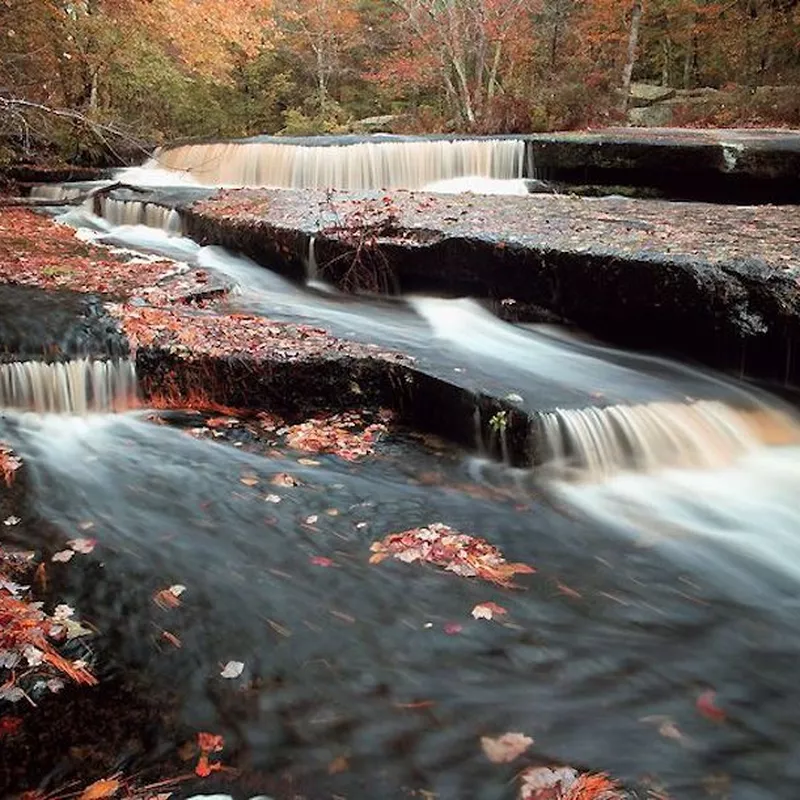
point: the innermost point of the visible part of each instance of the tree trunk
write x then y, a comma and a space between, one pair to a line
630, 58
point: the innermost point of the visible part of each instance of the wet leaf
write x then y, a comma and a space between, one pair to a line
453, 628
565, 783
233, 669
104, 788
338, 765
321, 561
83, 546
272, 498
505, 748
488, 610
249, 480
451, 550
308, 462
284, 479
706, 704
312, 520
9, 725
63, 556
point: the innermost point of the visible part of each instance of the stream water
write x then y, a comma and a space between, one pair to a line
665, 531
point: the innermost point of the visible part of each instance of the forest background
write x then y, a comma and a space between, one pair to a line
94, 81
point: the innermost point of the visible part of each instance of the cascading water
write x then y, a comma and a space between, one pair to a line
136, 212
80, 386
594, 444
364, 165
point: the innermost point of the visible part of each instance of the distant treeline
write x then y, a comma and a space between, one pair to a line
93, 80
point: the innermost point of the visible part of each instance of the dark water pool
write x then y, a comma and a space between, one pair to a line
601, 659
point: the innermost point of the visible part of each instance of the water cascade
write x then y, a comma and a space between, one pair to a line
73, 387
362, 165
135, 212
596, 443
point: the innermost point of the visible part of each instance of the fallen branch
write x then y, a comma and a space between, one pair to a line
77, 200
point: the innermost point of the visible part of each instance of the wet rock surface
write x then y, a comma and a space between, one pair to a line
716, 283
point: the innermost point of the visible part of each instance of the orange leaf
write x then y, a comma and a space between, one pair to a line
106, 787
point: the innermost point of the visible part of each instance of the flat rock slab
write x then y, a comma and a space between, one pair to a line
718, 283
701, 234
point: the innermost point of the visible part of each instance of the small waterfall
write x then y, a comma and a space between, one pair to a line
72, 387
363, 165
55, 191
135, 212
596, 443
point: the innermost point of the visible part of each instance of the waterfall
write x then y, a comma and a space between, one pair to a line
56, 191
73, 387
135, 212
597, 443
363, 165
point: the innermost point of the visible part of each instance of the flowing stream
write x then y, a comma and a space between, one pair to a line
664, 525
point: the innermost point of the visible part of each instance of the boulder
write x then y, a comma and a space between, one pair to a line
645, 94
654, 116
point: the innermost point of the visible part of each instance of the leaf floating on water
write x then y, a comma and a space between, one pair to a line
233, 669
208, 743
565, 783
83, 546
451, 550
249, 480
169, 598
272, 498
452, 628
63, 556
86, 526
312, 520
284, 479
308, 462
321, 561
505, 748
104, 788
488, 610
706, 704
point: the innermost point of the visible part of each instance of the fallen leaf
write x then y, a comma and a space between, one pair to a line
9, 725
505, 748
308, 462
321, 561
272, 498
233, 669
452, 628
706, 704
338, 765
169, 598
83, 546
448, 549
63, 556
106, 787
249, 480
312, 520
284, 479
488, 610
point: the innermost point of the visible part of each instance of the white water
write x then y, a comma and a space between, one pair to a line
474, 184
79, 386
364, 165
134, 212
686, 456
